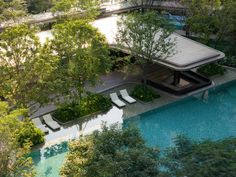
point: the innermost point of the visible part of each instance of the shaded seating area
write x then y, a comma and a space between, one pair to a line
176, 82
174, 73
188, 82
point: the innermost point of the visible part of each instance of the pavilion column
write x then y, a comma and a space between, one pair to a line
176, 78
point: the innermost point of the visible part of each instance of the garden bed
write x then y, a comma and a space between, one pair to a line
210, 70
88, 106
144, 93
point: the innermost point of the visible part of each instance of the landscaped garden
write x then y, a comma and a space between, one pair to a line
34, 74
144, 93
87, 106
211, 70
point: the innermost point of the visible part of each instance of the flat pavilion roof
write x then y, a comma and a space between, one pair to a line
188, 54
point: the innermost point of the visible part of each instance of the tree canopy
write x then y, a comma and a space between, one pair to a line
13, 155
84, 9
213, 19
83, 52
38, 6
113, 152
12, 9
137, 32
27, 67
206, 158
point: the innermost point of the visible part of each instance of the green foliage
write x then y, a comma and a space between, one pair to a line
143, 93
205, 159
215, 17
211, 69
84, 54
113, 152
29, 133
27, 68
119, 59
137, 33
13, 156
229, 61
12, 10
90, 104
82, 9
38, 6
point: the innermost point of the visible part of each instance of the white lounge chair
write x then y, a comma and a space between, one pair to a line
126, 97
50, 122
116, 100
37, 122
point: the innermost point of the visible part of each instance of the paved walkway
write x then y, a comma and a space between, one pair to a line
109, 81
116, 115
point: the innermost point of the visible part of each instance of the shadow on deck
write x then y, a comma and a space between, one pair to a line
187, 81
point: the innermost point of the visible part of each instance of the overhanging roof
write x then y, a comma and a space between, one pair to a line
188, 53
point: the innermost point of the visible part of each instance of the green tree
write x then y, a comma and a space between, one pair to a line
211, 20
84, 9
137, 33
38, 6
13, 156
227, 26
205, 159
113, 152
201, 17
12, 9
29, 133
84, 54
26, 68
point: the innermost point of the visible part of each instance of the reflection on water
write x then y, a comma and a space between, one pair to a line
214, 118
48, 161
55, 149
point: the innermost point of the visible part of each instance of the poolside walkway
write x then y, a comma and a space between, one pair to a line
118, 81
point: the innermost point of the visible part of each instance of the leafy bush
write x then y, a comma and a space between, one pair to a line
90, 104
29, 133
119, 59
229, 61
211, 70
205, 158
112, 152
144, 93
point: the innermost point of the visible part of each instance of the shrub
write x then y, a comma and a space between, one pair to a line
29, 133
211, 70
229, 61
90, 104
144, 93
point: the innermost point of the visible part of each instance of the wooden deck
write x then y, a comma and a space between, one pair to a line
161, 74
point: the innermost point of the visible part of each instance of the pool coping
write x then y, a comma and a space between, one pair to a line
165, 103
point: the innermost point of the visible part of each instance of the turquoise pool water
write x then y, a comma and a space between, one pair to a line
214, 118
48, 161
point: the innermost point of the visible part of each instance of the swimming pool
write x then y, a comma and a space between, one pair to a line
213, 118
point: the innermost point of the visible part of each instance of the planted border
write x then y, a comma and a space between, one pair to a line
144, 93
90, 105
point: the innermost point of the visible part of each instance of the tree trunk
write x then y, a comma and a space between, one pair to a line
144, 74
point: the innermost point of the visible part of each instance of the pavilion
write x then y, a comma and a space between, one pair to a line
188, 55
